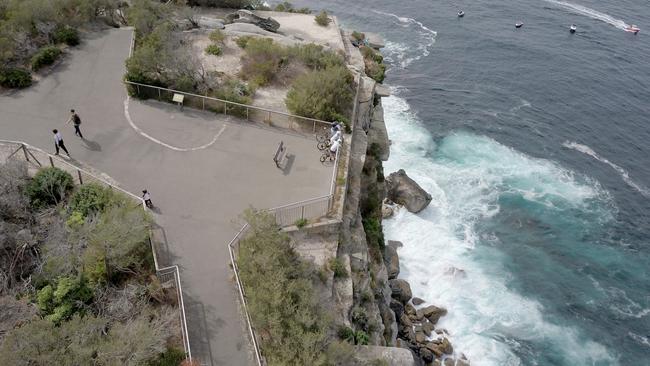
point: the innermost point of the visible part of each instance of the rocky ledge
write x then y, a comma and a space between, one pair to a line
416, 321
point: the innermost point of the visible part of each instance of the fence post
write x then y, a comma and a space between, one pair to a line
302, 211
159, 97
269, 117
25, 151
247, 113
314, 129
203, 103
79, 174
51, 161
225, 108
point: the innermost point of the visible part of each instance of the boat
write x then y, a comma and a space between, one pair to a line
519, 25
573, 28
632, 29
461, 14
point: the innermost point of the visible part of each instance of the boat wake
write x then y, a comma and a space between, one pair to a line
623, 173
591, 13
400, 54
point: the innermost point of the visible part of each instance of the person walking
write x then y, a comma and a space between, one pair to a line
146, 197
58, 142
76, 121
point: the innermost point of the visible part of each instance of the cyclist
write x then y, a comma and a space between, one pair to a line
147, 198
335, 136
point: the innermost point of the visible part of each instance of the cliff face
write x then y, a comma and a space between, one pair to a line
361, 233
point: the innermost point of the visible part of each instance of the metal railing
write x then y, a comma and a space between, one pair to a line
37, 158
249, 112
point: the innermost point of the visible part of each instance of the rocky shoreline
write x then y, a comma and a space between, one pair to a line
416, 321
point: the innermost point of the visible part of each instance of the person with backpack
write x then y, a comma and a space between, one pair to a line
76, 121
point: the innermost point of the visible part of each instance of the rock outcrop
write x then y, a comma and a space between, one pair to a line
392, 262
405, 191
401, 290
247, 16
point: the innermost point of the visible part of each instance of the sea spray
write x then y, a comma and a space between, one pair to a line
449, 258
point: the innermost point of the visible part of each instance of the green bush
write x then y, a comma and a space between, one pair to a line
49, 186
283, 305
213, 49
242, 41
338, 267
359, 317
45, 56
322, 94
288, 8
300, 223
58, 303
171, 357
15, 78
358, 36
316, 56
217, 36
322, 19
262, 60
90, 198
67, 35
346, 334
374, 234
361, 338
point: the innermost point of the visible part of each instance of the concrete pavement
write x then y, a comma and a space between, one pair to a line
224, 165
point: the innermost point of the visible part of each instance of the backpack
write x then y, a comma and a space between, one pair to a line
76, 119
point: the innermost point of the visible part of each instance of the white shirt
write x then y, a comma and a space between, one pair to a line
335, 146
58, 138
336, 136
146, 196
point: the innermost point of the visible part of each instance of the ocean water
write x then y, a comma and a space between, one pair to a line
534, 145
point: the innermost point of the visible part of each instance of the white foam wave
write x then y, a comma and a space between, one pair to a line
622, 172
401, 55
486, 317
639, 339
591, 13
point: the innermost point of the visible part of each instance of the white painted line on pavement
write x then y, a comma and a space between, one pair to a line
144, 134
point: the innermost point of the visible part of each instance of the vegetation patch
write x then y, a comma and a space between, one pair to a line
282, 303
288, 7
14, 77
374, 63
45, 56
66, 34
323, 94
86, 266
213, 49
322, 19
338, 267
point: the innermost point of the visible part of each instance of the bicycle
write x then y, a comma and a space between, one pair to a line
324, 137
327, 155
323, 145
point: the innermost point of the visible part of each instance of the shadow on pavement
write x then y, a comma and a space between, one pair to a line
198, 330
91, 145
289, 163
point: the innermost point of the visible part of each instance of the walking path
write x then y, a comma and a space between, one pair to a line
202, 170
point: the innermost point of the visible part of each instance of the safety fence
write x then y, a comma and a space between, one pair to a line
37, 159
244, 111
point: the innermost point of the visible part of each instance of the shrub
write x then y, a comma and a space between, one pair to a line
322, 94
67, 35
45, 56
300, 223
49, 186
217, 36
15, 78
282, 303
89, 198
358, 36
213, 49
359, 317
76, 220
322, 19
262, 60
288, 8
171, 357
242, 41
366, 296
374, 234
316, 56
361, 338
58, 303
338, 267
346, 334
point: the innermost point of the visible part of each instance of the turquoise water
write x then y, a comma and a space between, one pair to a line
533, 143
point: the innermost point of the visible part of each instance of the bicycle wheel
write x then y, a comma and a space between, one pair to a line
323, 158
321, 146
321, 138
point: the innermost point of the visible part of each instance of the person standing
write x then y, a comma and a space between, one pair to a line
76, 121
58, 142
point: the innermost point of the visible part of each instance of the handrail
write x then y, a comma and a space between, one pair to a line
230, 102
